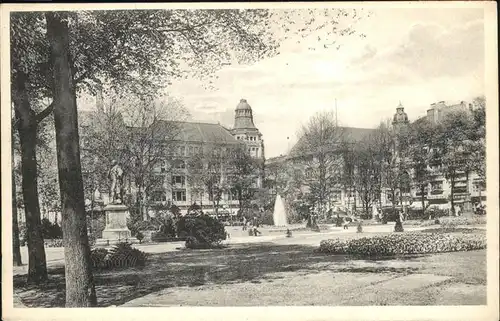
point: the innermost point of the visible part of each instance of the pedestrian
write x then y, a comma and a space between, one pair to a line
346, 223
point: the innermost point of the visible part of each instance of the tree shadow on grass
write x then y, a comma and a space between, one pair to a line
236, 264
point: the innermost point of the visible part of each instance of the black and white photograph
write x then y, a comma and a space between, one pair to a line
338, 155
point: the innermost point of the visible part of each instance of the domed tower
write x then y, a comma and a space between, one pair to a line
400, 118
399, 126
244, 129
243, 118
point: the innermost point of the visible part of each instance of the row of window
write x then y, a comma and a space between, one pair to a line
186, 150
180, 196
250, 138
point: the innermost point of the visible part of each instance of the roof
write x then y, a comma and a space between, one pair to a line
275, 160
348, 134
243, 104
200, 132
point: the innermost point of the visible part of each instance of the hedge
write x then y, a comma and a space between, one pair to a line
407, 243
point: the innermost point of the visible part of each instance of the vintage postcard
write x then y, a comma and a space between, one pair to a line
256, 161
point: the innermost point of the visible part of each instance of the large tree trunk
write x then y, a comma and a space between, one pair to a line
27, 127
80, 291
467, 201
16, 246
452, 181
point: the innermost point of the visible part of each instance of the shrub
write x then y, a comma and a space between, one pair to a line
359, 228
120, 256
53, 243
435, 212
429, 223
51, 230
416, 214
98, 258
398, 227
201, 231
139, 236
338, 221
408, 243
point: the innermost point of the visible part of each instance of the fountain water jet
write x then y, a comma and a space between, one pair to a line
279, 214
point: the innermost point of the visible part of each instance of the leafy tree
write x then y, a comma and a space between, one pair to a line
209, 168
319, 149
419, 153
244, 171
348, 171
80, 289
478, 140
453, 148
391, 155
367, 171
138, 132
154, 128
29, 82
129, 48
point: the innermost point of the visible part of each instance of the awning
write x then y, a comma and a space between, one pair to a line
443, 206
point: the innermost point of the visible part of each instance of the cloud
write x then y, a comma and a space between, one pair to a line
368, 53
431, 51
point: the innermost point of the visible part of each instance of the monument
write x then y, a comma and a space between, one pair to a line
116, 230
279, 214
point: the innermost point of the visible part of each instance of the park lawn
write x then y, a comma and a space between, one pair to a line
280, 273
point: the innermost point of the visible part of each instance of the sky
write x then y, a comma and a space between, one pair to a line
413, 56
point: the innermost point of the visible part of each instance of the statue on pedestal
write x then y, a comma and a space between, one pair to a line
116, 176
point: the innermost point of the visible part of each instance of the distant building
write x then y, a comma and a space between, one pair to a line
298, 159
437, 194
440, 109
190, 139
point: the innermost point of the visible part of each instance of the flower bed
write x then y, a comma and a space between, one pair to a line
452, 230
451, 221
407, 243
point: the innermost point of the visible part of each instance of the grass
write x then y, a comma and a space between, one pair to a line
268, 274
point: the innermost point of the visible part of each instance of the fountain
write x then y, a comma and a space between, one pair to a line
279, 215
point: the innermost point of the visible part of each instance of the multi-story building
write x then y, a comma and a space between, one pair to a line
178, 185
438, 192
303, 162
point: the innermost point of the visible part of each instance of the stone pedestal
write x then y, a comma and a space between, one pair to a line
116, 230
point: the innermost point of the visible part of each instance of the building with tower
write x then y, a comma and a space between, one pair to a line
191, 138
438, 192
244, 129
400, 118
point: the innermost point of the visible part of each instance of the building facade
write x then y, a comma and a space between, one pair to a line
176, 184
438, 192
